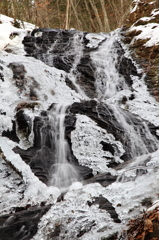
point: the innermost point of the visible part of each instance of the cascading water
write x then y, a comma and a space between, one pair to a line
91, 68
107, 137
137, 139
109, 84
108, 80
77, 49
62, 173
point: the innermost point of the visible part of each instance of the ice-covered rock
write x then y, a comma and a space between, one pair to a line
74, 105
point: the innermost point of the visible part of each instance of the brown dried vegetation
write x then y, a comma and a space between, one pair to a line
144, 227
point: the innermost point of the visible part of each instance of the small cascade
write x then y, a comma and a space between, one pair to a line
77, 50
62, 173
108, 80
136, 167
137, 138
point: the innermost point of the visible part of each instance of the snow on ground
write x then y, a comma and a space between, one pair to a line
23, 24
11, 36
35, 191
50, 88
94, 39
73, 213
148, 30
77, 216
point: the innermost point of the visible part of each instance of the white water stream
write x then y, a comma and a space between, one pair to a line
109, 84
62, 173
108, 80
74, 215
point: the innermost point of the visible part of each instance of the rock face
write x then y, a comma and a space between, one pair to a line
144, 17
105, 118
22, 224
79, 137
41, 156
77, 60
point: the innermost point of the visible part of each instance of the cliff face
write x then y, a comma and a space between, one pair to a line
142, 36
79, 133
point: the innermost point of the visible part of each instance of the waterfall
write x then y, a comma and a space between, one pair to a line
77, 48
62, 173
108, 80
109, 84
102, 125
137, 137
95, 67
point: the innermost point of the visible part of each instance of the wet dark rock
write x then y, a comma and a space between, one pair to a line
86, 77
41, 156
2, 112
54, 47
70, 121
147, 202
25, 84
24, 123
104, 179
18, 70
104, 116
18, 73
70, 84
21, 225
106, 205
125, 66
107, 147
1, 74
39, 44
140, 172
11, 134
112, 164
86, 228
113, 236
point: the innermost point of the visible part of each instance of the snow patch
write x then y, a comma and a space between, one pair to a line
10, 36
35, 191
86, 145
95, 39
150, 32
